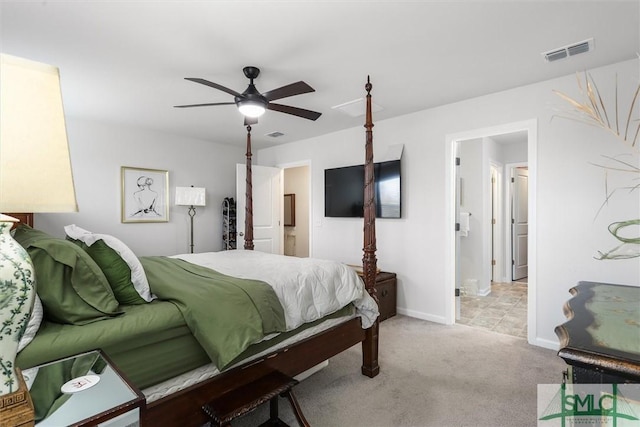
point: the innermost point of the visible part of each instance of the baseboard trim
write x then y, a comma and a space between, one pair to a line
550, 344
484, 293
539, 342
422, 316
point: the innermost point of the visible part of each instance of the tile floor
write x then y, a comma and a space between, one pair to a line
504, 310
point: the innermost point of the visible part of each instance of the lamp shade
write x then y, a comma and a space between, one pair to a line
190, 196
35, 167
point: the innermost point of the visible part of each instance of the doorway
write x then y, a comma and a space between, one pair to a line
481, 261
489, 298
296, 235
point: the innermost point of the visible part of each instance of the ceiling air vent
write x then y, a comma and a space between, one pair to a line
570, 50
555, 55
275, 134
579, 48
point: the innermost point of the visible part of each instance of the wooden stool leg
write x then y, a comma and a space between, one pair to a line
273, 409
296, 408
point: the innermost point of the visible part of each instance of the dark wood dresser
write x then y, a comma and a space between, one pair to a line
25, 218
386, 288
601, 340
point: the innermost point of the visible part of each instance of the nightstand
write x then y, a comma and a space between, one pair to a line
95, 393
386, 288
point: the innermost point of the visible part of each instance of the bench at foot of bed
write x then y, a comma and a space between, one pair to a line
242, 400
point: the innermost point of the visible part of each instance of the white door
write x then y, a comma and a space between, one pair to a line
520, 223
495, 238
267, 207
458, 195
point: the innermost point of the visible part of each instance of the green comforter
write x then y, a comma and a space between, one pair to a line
225, 314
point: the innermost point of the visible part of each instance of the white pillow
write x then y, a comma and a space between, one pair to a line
138, 277
32, 325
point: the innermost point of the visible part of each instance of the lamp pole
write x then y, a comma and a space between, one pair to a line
192, 213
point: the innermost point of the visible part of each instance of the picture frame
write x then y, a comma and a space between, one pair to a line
144, 195
289, 210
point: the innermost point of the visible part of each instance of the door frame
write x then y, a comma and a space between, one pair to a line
531, 126
497, 205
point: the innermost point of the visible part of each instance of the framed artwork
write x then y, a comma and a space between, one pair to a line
145, 195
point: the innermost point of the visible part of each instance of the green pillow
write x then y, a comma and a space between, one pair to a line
70, 284
115, 269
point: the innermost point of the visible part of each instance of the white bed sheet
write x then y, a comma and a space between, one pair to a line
308, 288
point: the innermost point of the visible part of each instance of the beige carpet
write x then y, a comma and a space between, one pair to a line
430, 375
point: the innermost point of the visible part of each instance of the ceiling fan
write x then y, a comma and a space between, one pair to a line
252, 104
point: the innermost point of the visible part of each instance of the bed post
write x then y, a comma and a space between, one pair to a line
248, 209
370, 365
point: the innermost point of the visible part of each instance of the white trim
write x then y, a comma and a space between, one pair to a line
500, 218
551, 345
421, 315
484, 293
532, 279
531, 126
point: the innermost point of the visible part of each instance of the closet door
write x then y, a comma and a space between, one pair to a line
520, 223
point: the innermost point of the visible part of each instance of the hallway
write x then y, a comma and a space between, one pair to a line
504, 310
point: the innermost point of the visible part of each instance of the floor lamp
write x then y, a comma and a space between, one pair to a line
192, 197
35, 176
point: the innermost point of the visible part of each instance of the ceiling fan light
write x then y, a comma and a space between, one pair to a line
251, 108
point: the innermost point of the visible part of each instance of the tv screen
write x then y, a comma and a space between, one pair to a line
344, 191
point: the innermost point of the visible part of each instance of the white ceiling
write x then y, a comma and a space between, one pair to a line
124, 62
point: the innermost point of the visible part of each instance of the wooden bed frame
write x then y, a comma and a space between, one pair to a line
184, 408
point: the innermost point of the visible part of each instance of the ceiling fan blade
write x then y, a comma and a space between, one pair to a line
288, 90
204, 105
248, 121
300, 112
213, 85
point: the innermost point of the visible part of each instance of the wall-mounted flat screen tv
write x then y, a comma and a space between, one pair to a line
344, 191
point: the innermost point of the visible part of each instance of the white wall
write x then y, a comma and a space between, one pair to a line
569, 192
97, 153
514, 152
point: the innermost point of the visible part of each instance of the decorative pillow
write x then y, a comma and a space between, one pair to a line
33, 324
105, 259
71, 286
116, 271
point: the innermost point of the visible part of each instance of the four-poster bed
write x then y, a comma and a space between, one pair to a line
292, 357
